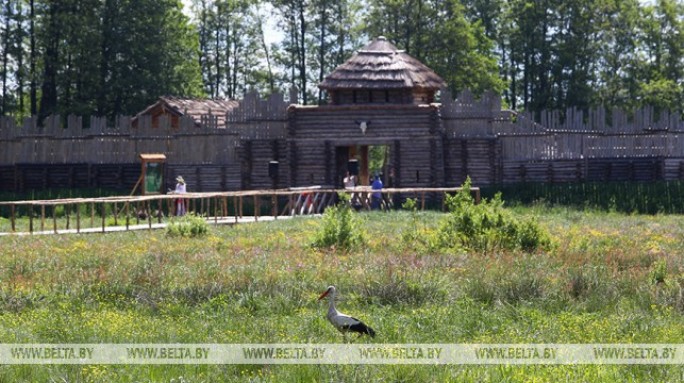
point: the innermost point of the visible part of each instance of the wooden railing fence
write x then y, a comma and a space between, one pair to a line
121, 213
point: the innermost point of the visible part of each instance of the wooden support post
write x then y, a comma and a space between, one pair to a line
30, 218
235, 207
92, 214
13, 218
78, 218
241, 206
225, 207
104, 214
128, 213
422, 201
66, 212
54, 218
216, 210
116, 215
137, 216
274, 205
42, 217
149, 214
256, 209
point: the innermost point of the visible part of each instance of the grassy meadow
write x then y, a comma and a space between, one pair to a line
607, 278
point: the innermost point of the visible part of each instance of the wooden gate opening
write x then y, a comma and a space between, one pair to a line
364, 161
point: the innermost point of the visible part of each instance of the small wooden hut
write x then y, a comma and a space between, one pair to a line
203, 112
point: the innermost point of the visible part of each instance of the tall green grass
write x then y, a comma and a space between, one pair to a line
665, 197
612, 278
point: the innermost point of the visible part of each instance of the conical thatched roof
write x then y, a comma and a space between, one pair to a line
380, 65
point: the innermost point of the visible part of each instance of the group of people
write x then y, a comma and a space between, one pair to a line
376, 185
350, 182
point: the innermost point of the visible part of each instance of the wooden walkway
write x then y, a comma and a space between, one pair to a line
123, 213
154, 226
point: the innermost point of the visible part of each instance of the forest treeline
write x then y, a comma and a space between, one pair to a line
109, 57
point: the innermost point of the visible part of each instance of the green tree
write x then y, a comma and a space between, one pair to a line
233, 53
334, 33
617, 72
146, 57
439, 34
294, 23
662, 40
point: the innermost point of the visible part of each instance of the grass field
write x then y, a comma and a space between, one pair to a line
608, 278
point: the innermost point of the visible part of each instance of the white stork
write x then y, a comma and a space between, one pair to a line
343, 322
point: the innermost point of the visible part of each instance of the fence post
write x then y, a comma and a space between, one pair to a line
274, 205
256, 208
78, 218
216, 210
149, 214
116, 215
12, 208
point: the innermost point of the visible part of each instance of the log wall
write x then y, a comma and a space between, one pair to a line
27, 177
120, 143
412, 132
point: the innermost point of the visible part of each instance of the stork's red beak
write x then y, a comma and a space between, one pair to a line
325, 294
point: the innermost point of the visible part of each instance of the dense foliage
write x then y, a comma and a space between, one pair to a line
340, 228
487, 226
190, 225
107, 57
664, 197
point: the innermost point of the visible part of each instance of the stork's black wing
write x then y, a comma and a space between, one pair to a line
360, 327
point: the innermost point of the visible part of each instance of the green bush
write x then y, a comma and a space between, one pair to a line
339, 227
487, 226
190, 225
658, 272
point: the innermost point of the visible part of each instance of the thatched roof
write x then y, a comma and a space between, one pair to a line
380, 65
193, 107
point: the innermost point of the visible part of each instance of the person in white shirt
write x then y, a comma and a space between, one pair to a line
349, 181
180, 202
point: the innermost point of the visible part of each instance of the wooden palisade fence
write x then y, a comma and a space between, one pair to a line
432, 145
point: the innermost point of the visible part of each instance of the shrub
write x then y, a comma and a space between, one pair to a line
190, 225
339, 227
658, 272
487, 226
